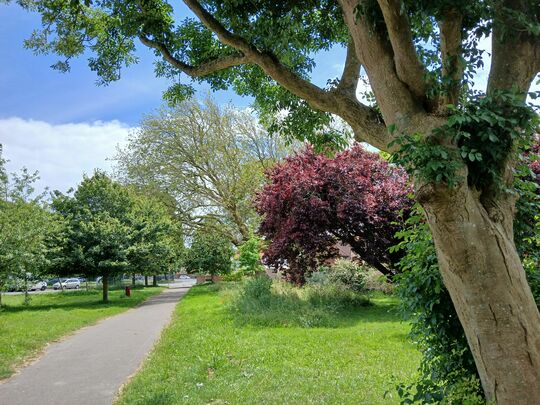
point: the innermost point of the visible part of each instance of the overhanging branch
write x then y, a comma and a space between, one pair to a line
362, 118
205, 69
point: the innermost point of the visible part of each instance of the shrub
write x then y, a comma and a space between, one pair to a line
234, 276
348, 273
257, 288
262, 302
332, 295
375, 281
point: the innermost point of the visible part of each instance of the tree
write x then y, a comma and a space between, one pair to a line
210, 253
98, 232
420, 58
249, 256
311, 202
211, 160
156, 244
26, 223
447, 368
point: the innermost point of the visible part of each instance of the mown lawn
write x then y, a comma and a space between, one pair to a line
25, 330
207, 357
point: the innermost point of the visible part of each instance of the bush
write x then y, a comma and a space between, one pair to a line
257, 288
333, 296
348, 273
376, 281
262, 302
344, 273
210, 253
234, 276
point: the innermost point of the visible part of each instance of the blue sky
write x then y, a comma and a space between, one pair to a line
63, 125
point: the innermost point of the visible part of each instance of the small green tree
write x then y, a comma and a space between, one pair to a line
249, 257
210, 253
99, 232
157, 242
25, 225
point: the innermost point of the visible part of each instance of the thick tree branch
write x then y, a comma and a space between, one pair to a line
205, 69
515, 60
408, 66
395, 99
450, 27
362, 118
351, 71
269, 63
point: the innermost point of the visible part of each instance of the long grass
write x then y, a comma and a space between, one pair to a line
210, 354
25, 330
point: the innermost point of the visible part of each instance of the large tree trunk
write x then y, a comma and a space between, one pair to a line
484, 275
105, 281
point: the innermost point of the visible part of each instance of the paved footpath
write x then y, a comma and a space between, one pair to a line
89, 367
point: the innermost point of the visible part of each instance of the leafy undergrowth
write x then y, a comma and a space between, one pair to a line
208, 355
263, 303
25, 330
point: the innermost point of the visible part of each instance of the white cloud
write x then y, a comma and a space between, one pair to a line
61, 153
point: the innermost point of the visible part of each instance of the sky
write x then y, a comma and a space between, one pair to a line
64, 125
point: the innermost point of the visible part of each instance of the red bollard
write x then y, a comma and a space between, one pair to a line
128, 292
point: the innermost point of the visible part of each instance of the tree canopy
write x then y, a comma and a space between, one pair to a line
311, 202
209, 159
26, 227
209, 253
98, 230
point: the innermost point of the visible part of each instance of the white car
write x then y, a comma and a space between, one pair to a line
70, 283
39, 285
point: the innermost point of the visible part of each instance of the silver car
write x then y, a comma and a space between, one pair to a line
39, 285
70, 283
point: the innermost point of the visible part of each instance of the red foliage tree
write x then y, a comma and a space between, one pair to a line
311, 201
535, 164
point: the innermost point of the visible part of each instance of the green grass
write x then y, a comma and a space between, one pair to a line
25, 330
210, 355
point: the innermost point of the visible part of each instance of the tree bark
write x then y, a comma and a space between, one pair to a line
146, 281
484, 275
105, 281
133, 279
154, 280
26, 297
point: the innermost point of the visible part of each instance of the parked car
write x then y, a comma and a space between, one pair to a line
39, 285
70, 283
185, 277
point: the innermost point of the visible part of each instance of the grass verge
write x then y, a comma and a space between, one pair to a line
210, 356
25, 330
